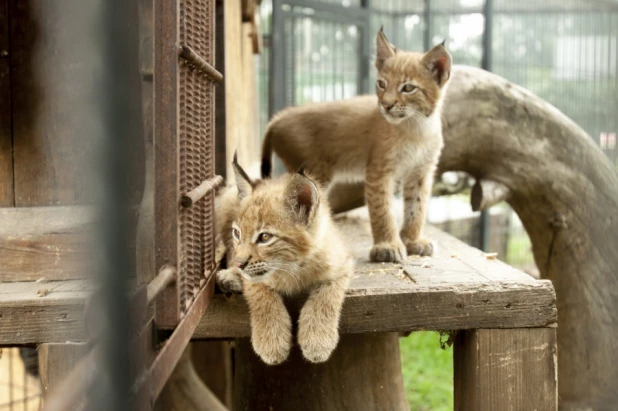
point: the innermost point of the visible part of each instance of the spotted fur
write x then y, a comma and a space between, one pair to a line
396, 137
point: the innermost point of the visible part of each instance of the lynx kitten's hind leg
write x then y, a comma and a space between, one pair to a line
271, 326
318, 324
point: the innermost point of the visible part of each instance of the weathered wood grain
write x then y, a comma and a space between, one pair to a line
509, 370
362, 374
166, 143
6, 139
56, 361
50, 242
53, 129
45, 312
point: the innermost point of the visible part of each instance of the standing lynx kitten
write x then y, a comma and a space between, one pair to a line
281, 241
396, 139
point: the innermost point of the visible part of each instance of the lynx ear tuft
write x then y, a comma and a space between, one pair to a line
243, 182
384, 49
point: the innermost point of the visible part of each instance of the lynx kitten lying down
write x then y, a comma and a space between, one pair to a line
281, 241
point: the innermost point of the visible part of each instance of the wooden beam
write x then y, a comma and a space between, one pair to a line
42, 312
510, 370
7, 195
383, 303
56, 361
459, 288
45, 242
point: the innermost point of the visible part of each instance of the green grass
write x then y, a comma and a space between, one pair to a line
427, 372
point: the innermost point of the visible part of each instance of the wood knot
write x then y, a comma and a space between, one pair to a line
558, 220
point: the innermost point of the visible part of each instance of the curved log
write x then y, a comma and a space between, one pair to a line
565, 191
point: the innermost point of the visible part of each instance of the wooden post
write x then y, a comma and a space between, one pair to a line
56, 362
213, 364
363, 373
185, 391
506, 369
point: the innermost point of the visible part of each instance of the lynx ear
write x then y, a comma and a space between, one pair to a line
301, 196
438, 61
384, 49
243, 182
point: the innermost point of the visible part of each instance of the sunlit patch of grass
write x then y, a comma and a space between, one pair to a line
427, 372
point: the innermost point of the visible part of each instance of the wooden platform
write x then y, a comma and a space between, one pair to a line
459, 288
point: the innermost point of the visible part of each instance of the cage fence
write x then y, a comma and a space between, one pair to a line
566, 52
20, 387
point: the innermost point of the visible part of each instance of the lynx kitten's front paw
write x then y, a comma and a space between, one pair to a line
388, 252
317, 341
273, 344
420, 247
229, 281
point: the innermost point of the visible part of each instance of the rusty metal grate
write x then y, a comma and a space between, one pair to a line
196, 149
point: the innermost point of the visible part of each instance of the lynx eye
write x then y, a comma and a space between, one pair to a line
381, 84
236, 233
408, 88
264, 238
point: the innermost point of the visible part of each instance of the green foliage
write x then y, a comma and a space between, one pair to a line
427, 371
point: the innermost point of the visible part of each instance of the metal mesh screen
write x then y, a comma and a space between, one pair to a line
196, 149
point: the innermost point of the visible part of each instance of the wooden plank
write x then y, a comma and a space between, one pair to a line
510, 370
54, 243
56, 362
374, 303
6, 139
166, 134
51, 96
384, 303
248, 9
44, 312
362, 374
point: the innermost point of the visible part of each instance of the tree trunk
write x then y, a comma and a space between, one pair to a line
565, 191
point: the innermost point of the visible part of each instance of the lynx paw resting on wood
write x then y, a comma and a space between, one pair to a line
280, 240
420, 247
388, 252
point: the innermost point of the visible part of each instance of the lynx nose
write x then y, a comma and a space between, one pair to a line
387, 107
241, 264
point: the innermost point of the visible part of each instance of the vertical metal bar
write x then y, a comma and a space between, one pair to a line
277, 81
364, 59
428, 26
118, 105
484, 225
291, 41
166, 135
